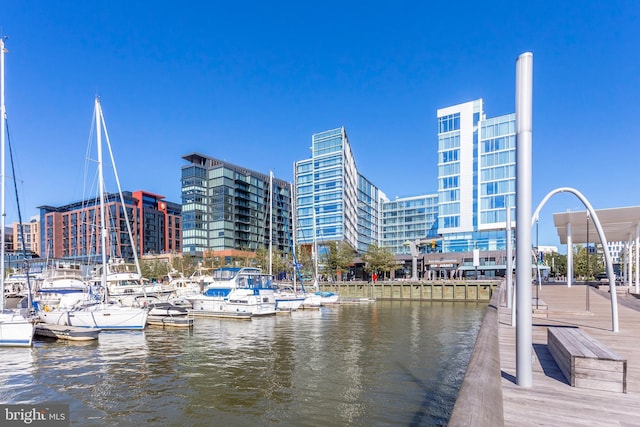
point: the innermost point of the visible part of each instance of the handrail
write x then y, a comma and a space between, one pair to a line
480, 401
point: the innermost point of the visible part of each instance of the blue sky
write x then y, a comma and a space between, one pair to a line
250, 82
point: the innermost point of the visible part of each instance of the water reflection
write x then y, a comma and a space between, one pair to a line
16, 368
385, 363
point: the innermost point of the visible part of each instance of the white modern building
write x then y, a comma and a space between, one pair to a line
476, 177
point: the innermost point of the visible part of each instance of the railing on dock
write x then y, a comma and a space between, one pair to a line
479, 401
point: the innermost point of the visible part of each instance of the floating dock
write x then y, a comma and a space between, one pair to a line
173, 321
63, 332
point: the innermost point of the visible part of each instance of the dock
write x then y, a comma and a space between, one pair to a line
64, 332
551, 400
490, 386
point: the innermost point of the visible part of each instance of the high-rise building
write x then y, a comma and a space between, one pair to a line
160, 222
410, 219
334, 203
29, 232
73, 231
228, 208
476, 177
370, 204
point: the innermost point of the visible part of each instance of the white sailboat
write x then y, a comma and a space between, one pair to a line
96, 311
287, 299
318, 298
15, 329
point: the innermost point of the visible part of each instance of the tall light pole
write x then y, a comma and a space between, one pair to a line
524, 96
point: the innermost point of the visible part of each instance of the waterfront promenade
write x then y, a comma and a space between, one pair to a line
551, 401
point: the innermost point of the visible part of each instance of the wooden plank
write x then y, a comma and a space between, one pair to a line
597, 384
577, 356
570, 337
602, 365
549, 401
591, 346
561, 356
598, 375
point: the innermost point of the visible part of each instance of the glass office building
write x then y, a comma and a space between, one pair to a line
409, 219
333, 201
370, 203
226, 207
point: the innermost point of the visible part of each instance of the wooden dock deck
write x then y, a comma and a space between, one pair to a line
551, 401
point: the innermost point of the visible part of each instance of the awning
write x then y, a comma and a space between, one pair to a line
618, 224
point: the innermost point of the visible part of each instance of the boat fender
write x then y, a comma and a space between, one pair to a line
46, 308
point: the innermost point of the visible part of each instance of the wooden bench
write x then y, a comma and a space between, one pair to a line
585, 362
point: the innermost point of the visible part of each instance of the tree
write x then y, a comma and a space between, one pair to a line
557, 262
211, 261
153, 269
378, 260
585, 264
338, 257
186, 264
304, 258
279, 261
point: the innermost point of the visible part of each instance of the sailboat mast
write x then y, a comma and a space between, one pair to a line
3, 113
103, 224
270, 223
314, 248
294, 220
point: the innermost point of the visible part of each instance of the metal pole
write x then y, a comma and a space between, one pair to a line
509, 272
524, 97
2, 173
637, 256
569, 256
588, 269
271, 224
537, 258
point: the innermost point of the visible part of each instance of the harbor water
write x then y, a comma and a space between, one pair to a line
384, 363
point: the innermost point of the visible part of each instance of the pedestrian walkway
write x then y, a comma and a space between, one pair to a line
551, 401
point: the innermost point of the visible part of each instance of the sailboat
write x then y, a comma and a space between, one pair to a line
287, 299
15, 329
319, 298
96, 311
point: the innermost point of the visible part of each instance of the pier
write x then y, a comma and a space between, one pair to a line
551, 400
423, 290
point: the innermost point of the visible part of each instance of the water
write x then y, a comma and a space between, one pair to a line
388, 363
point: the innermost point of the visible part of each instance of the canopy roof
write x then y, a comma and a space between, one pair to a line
618, 224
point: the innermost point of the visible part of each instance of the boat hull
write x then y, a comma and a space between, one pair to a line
15, 330
289, 304
66, 332
98, 316
220, 314
183, 321
109, 317
248, 305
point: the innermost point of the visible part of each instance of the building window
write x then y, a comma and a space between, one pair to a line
449, 123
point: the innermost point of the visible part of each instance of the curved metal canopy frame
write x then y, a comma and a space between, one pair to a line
603, 239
